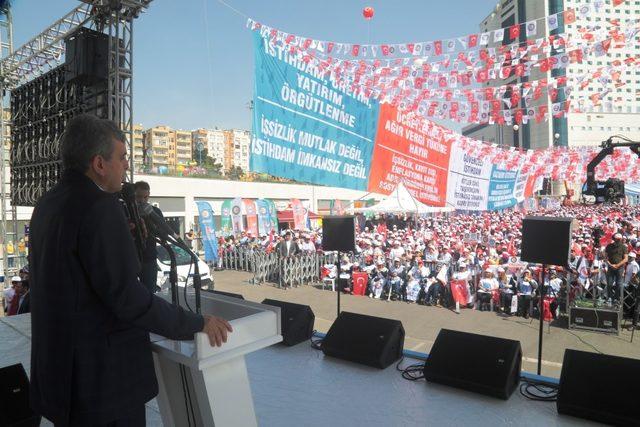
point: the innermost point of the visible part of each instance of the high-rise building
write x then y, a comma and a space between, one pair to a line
183, 148
213, 141
138, 148
617, 113
166, 147
157, 147
237, 146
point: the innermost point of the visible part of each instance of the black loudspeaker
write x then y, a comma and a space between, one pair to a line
546, 240
296, 321
369, 340
14, 398
478, 363
228, 294
600, 387
87, 57
339, 233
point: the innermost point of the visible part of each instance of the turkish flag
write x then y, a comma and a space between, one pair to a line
437, 45
355, 49
553, 94
514, 31
459, 291
544, 65
518, 116
569, 16
385, 49
617, 3
473, 40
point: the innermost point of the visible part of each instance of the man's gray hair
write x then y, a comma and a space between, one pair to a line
85, 137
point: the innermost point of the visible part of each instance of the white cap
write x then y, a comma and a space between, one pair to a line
16, 279
632, 254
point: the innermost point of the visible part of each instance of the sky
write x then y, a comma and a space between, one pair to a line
193, 59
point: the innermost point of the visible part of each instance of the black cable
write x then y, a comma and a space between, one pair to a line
315, 344
186, 280
538, 391
412, 372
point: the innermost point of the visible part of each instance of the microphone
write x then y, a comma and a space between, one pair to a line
160, 226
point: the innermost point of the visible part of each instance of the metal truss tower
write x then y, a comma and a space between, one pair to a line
46, 51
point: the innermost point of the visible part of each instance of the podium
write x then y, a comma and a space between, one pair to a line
201, 385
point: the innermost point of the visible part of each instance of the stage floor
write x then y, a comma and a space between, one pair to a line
295, 386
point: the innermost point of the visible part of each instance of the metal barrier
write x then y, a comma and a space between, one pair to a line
268, 267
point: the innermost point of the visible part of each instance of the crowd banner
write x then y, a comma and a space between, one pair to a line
225, 218
273, 214
264, 222
252, 216
300, 214
468, 183
405, 152
308, 126
236, 215
208, 230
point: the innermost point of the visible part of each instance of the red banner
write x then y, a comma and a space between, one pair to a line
252, 216
403, 152
459, 291
299, 215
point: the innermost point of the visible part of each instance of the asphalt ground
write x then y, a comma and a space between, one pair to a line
422, 323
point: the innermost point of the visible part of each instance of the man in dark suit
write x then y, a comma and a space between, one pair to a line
91, 361
25, 298
149, 272
287, 247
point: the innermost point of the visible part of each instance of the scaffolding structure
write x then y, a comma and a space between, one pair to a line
45, 52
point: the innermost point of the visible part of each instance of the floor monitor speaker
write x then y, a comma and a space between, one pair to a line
369, 340
296, 321
478, 363
600, 387
14, 398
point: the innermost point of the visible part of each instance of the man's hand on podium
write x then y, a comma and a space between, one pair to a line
216, 328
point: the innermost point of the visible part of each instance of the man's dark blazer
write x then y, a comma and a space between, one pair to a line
91, 358
25, 305
281, 248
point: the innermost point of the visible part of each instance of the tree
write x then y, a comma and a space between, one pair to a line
235, 173
209, 163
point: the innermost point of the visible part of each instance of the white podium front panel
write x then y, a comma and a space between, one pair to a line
201, 385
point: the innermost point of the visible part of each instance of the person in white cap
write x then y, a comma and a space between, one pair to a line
14, 304
9, 293
617, 257
631, 274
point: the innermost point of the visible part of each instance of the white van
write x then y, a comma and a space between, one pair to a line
185, 268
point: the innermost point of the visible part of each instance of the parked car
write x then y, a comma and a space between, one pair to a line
186, 270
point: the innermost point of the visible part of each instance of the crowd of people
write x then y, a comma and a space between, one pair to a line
474, 259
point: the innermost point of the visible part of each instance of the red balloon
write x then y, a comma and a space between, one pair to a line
367, 12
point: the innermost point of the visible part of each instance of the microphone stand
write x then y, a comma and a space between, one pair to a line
540, 313
197, 280
173, 272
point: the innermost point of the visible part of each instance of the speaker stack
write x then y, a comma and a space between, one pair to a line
41, 108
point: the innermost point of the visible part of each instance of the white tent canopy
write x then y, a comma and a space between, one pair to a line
400, 200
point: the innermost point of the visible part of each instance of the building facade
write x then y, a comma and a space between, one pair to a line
137, 148
617, 113
166, 148
237, 148
213, 141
